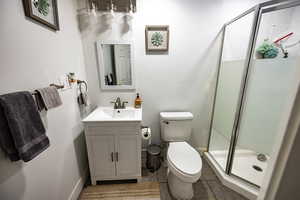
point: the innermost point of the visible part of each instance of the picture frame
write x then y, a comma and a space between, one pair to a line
157, 38
44, 12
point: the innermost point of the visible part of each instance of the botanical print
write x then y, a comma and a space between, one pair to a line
157, 39
42, 6
43, 9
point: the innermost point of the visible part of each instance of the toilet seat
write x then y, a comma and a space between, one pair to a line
184, 161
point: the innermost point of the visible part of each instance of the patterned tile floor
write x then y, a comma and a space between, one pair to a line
207, 188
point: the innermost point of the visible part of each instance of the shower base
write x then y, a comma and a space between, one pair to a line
245, 165
244, 188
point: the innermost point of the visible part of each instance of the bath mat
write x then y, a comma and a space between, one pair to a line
131, 191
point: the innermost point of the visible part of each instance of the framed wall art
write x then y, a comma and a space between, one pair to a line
157, 38
43, 11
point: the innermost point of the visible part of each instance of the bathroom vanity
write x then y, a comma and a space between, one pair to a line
114, 143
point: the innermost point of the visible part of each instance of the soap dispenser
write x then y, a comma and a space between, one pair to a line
138, 101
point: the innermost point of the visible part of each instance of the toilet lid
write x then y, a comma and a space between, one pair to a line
184, 157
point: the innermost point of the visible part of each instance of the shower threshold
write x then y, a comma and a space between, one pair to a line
242, 187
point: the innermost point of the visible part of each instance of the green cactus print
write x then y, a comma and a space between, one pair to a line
157, 39
42, 6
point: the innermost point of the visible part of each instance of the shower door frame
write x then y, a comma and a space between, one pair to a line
258, 11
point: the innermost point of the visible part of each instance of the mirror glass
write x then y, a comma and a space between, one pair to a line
117, 64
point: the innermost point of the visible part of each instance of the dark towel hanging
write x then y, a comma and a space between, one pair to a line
22, 133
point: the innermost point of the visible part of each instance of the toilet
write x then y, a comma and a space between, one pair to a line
184, 162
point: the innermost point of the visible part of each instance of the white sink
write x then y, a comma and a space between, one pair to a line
105, 114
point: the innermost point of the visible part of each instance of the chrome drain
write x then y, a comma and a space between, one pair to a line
262, 157
257, 168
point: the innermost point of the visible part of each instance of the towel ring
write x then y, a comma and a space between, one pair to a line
80, 83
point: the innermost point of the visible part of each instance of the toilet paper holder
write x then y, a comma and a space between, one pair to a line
148, 129
146, 133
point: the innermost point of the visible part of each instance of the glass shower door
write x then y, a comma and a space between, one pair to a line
269, 90
230, 81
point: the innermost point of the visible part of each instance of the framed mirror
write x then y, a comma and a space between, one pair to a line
115, 64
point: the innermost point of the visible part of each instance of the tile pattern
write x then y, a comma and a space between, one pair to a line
207, 188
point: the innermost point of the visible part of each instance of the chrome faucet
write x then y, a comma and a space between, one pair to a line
118, 104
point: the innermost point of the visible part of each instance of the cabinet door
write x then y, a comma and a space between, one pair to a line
128, 155
103, 149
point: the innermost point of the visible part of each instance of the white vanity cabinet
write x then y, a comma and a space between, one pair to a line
114, 150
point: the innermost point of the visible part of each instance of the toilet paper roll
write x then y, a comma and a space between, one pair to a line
146, 135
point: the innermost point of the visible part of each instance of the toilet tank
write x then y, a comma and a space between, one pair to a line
176, 126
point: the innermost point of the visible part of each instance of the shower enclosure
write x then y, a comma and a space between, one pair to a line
257, 78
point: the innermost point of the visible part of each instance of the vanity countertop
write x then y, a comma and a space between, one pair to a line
109, 114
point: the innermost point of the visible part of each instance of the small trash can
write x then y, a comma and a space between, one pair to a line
153, 158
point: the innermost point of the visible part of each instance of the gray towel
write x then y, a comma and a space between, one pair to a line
22, 133
48, 98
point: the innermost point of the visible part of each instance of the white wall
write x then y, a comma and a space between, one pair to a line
178, 80
32, 56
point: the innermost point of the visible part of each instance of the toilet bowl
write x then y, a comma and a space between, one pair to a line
184, 164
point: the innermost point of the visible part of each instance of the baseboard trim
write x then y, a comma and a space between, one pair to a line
78, 186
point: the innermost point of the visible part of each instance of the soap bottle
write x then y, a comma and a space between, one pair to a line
138, 101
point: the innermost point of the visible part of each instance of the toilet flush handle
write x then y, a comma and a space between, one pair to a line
166, 122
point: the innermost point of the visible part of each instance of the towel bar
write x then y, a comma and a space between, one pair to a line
52, 84
57, 86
